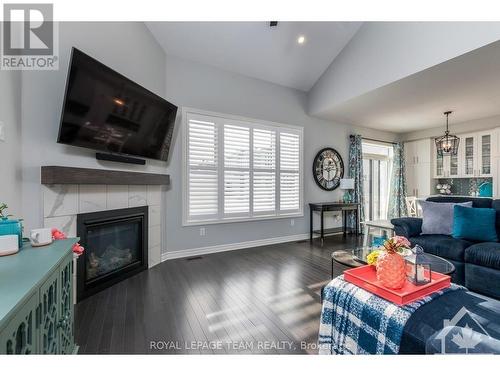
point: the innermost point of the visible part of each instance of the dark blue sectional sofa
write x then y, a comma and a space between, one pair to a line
477, 263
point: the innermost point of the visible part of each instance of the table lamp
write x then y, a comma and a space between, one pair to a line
347, 184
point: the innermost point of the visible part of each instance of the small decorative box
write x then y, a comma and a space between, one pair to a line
10, 226
366, 277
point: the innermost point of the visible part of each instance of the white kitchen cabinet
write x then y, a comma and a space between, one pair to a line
485, 154
418, 168
447, 166
477, 153
468, 155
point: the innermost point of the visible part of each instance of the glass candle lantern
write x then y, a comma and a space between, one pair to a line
418, 268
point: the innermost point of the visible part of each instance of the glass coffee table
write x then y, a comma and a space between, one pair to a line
357, 257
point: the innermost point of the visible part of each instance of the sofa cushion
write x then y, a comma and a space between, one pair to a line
496, 206
474, 224
438, 217
442, 246
476, 202
486, 254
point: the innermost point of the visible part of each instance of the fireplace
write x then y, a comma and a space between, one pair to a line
116, 247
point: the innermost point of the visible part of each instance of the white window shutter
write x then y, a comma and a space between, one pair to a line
264, 149
289, 172
236, 170
202, 169
236, 192
264, 192
264, 176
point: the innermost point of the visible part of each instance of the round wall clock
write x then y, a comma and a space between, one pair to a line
328, 169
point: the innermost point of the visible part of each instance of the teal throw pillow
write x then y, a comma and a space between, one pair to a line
474, 224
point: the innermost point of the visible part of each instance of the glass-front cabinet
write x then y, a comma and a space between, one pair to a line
468, 155
438, 166
477, 155
446, 166
485, 155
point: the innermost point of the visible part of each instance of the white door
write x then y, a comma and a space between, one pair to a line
410, 153
423, 180
411, 187
422, 151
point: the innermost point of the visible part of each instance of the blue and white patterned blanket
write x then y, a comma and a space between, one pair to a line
355, 321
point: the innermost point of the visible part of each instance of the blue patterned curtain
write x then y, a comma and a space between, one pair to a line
355, 171
397, 194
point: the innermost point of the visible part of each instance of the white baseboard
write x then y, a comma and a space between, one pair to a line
232, 246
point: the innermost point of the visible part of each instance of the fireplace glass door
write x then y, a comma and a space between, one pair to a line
116, 245
111, 247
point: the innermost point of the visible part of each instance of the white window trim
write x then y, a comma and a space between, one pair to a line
258, 124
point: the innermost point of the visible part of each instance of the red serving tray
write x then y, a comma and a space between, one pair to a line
366, 277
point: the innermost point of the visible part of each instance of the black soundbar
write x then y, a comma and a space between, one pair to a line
119, 158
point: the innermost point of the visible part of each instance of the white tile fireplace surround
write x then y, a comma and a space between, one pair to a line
62, 202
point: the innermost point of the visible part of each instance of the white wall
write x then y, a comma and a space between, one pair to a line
126, 47
384, 52
10, 152
203, 87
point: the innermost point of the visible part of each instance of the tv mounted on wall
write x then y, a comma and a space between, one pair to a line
105, 111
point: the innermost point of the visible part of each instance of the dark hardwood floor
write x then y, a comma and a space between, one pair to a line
258, 300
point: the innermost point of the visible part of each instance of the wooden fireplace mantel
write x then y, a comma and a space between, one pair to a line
68, 175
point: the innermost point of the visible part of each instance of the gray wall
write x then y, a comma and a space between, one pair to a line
384, 52
130, 49
127, 47
10, 152
462, 127
203, 87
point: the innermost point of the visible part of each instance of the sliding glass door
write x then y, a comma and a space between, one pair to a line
377, 169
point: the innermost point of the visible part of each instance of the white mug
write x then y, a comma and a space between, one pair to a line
41, 237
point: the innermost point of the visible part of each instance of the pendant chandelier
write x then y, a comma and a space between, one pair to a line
448, 143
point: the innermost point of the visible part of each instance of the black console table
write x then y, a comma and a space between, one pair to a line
345, 208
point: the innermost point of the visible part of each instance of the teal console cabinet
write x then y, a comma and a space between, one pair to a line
36, 300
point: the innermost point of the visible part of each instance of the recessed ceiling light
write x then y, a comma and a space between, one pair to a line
301, 39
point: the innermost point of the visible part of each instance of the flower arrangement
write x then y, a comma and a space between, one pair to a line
59, 235
398, 244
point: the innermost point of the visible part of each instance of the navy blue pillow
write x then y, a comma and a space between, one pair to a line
474, 224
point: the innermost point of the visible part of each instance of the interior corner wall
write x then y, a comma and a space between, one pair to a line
10, 152
203, 87
383, 52
485, 123
127, 47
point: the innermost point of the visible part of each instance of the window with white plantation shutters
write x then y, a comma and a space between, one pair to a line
237, 170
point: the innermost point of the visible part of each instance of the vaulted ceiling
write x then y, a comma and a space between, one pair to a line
257, 50
393, 76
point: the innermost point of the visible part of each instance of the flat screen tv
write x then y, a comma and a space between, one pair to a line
105, 111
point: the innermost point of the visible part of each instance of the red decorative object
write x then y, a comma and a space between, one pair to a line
78, 249
391, 267
366, 278
57, 234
